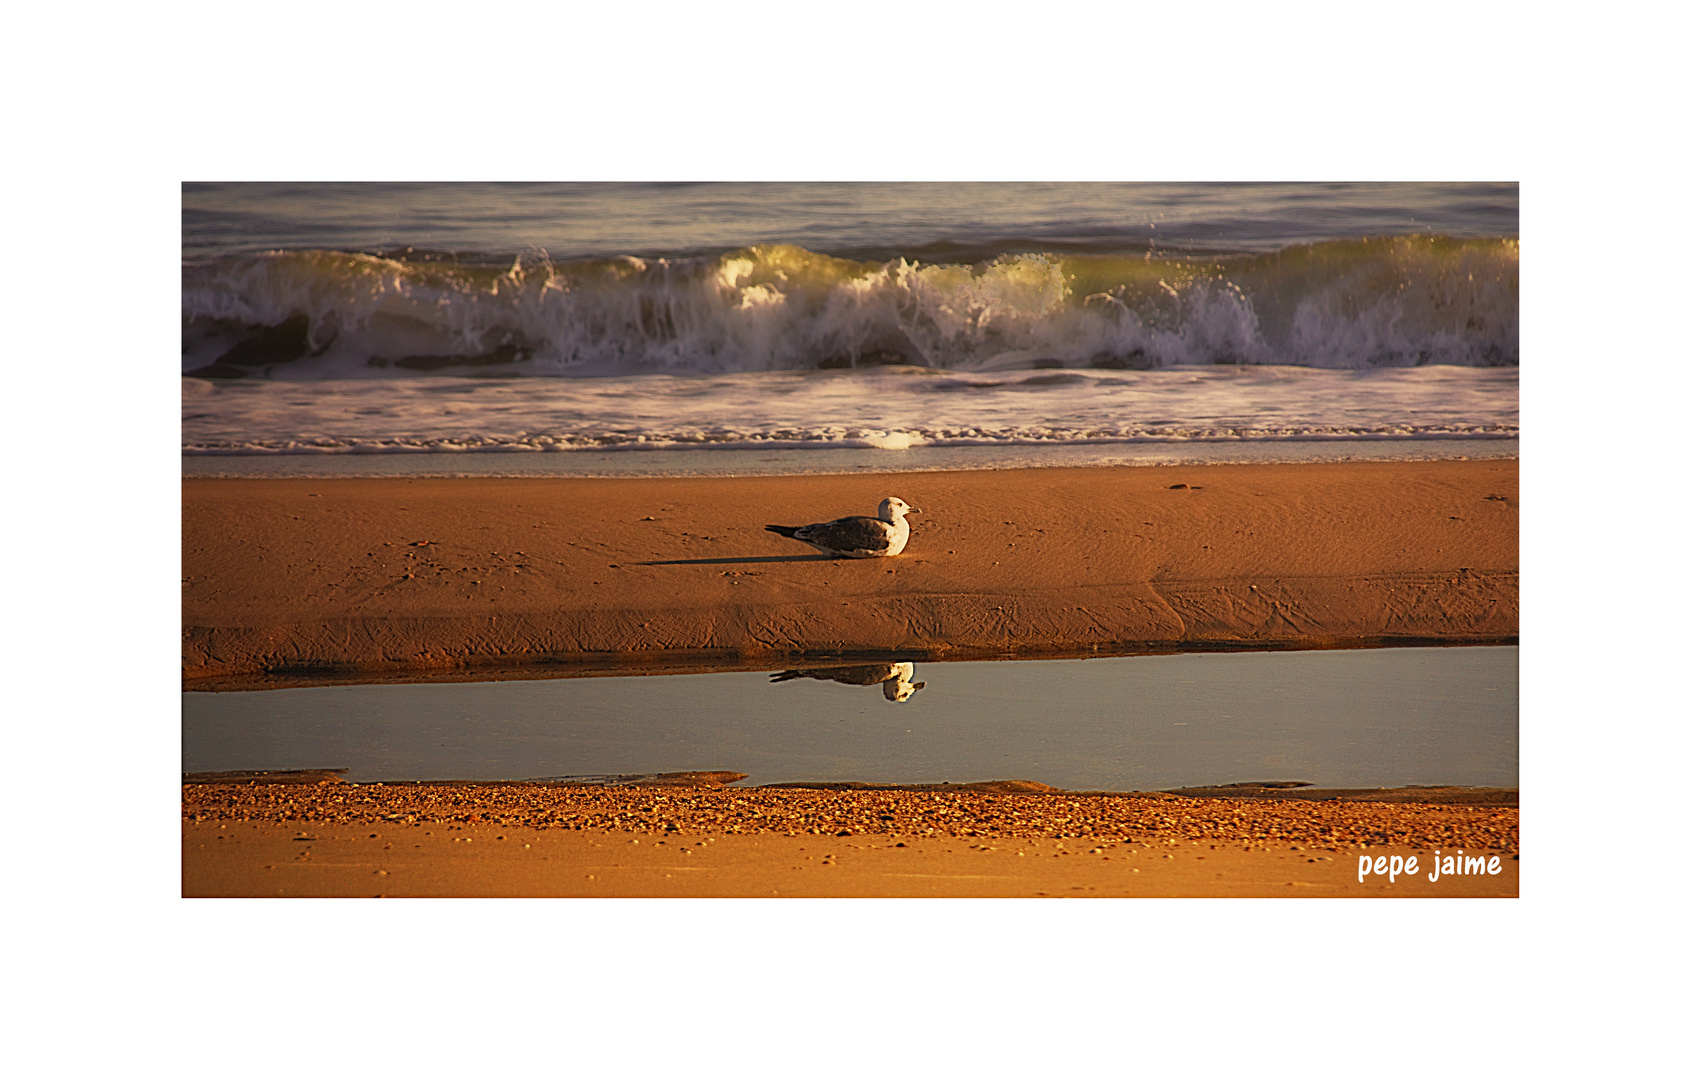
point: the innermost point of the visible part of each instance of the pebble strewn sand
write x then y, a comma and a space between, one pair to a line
1150, 818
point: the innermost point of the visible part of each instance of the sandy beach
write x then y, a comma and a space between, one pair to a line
706, 840
287, 581
293, 582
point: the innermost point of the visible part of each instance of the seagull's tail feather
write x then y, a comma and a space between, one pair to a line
787, 531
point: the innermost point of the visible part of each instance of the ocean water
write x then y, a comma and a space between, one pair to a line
578, 321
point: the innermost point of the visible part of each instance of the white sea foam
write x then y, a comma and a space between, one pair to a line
891, 408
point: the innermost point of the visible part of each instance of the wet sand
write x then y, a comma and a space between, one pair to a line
334, 839
292, 581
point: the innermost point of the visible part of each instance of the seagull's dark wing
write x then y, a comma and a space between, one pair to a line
857, 675
847, 534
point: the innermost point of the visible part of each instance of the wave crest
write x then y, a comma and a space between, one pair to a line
1382, 301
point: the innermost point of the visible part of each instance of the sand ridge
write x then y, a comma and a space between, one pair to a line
369, 577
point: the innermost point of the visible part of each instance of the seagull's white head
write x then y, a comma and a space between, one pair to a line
893, 509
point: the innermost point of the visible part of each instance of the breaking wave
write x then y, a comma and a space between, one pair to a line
1391, 301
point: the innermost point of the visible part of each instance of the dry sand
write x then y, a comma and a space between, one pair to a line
315, 580
334, 839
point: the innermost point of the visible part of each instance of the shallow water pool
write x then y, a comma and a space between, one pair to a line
1355, 718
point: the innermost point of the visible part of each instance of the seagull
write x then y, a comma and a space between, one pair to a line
896, 680
857, 537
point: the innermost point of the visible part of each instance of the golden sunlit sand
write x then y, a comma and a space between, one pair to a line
335, 839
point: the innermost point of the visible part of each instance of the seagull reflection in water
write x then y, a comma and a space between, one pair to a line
895, 679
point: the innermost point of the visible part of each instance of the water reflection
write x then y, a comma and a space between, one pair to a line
897, 681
